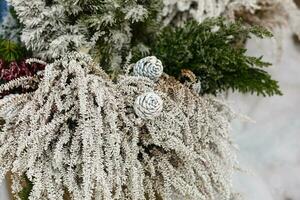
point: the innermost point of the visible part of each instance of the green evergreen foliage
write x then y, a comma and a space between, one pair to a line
11, 51
214, 51
129, 25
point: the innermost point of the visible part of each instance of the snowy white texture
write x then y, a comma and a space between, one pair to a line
150, 67
35, 60
46, 30
148, 105
78, 133
53, 28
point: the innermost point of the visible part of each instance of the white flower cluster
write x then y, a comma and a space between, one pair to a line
77, 136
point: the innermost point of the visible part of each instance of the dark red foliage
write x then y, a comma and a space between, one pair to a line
13, 70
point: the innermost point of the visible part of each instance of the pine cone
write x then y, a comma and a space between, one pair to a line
148, 105
150, 67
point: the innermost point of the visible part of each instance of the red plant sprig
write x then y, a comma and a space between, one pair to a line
13, 70
16, 69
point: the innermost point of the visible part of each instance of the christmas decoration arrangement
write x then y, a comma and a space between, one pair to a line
121, 99
133, 139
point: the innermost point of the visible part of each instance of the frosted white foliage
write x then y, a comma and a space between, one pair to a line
53, 28
34, 60
138, 13
78, 136
178, 11
273, 14
23, 81
269, 13
46, 30
148, 105
150, 67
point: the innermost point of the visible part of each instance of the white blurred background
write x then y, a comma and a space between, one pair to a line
270, 147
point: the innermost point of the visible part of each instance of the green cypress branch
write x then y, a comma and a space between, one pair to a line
214, 51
